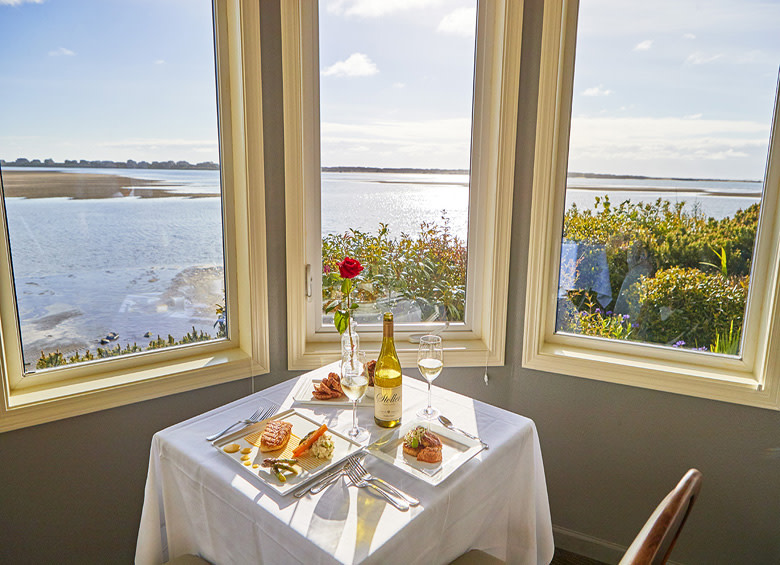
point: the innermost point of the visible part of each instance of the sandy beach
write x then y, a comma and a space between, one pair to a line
83, 186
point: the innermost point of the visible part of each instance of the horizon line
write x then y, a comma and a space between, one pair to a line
182, 164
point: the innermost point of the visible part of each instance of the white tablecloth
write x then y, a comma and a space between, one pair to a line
197, 502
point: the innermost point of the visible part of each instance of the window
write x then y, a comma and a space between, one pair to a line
127, 208
371, 143
641, 272
395, 136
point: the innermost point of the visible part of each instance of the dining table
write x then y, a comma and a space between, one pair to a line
198, 501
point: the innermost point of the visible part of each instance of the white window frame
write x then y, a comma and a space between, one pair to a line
752, 379
480, 342
73, 390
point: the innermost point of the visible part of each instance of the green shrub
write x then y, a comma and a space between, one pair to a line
672, 236
690, 306
428, 268
605, 324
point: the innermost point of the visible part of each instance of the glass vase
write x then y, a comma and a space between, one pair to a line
350, 345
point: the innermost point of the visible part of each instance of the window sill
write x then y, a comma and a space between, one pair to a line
457, 352
32, 406
718, 381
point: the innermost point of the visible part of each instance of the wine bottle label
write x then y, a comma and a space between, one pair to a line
387, 403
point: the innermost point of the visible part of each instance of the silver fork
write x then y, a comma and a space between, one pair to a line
360, 482
259, 414
371, 478
324, 482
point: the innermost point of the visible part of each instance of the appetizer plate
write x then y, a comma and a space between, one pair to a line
456, 450
302, 392
308, 467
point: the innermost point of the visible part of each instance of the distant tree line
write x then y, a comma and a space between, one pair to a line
129, 164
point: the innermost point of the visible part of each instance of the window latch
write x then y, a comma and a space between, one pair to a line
308, 280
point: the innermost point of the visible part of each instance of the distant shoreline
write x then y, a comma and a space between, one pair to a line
210, 165
643, 177
669, 189
394, 170
86, 186
129, 164
83, 186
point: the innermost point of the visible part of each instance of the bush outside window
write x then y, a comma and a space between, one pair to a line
654, 223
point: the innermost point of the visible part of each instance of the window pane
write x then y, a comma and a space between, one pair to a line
111, 176
670, 126
396, 89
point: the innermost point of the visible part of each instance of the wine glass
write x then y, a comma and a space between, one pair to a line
354, 383
430, 364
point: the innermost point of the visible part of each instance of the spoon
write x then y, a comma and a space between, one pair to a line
448, 424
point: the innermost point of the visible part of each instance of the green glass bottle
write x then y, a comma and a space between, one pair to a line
387, 380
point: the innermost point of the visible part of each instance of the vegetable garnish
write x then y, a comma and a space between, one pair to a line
307, 441
414, 436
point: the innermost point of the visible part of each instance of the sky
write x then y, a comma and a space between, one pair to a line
107, 79
662, 88
396, 82
675, 87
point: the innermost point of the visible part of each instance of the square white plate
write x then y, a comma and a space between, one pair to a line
302, 392
309, 467
456, 450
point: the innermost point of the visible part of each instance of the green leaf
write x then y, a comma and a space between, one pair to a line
341, 320
331, 306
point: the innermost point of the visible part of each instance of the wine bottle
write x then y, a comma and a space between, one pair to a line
387, 380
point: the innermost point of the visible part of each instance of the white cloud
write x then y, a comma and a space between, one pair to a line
673, 146
427, 143
376, 8
356, 65
693, 116
61, 51
159, 62
699, 58
689, 36
462, 21
596, 91
19, 2
643, 45
399, 85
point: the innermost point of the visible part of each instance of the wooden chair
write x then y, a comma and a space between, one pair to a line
655, 541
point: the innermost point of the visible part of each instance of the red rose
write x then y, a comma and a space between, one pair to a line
349, 268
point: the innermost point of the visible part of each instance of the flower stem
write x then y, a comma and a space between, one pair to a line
349, 329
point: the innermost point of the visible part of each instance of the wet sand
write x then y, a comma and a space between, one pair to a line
83, 186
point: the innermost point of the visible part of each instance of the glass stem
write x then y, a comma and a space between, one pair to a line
430, 407
354, 415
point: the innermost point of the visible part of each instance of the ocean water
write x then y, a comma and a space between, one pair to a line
84, 268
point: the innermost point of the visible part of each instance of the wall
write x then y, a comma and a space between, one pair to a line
72, 490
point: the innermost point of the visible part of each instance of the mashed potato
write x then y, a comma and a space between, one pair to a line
323, 447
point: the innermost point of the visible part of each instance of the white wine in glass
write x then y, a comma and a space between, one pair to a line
430, 363
354, 383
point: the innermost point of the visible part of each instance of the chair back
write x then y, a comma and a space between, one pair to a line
655, 541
